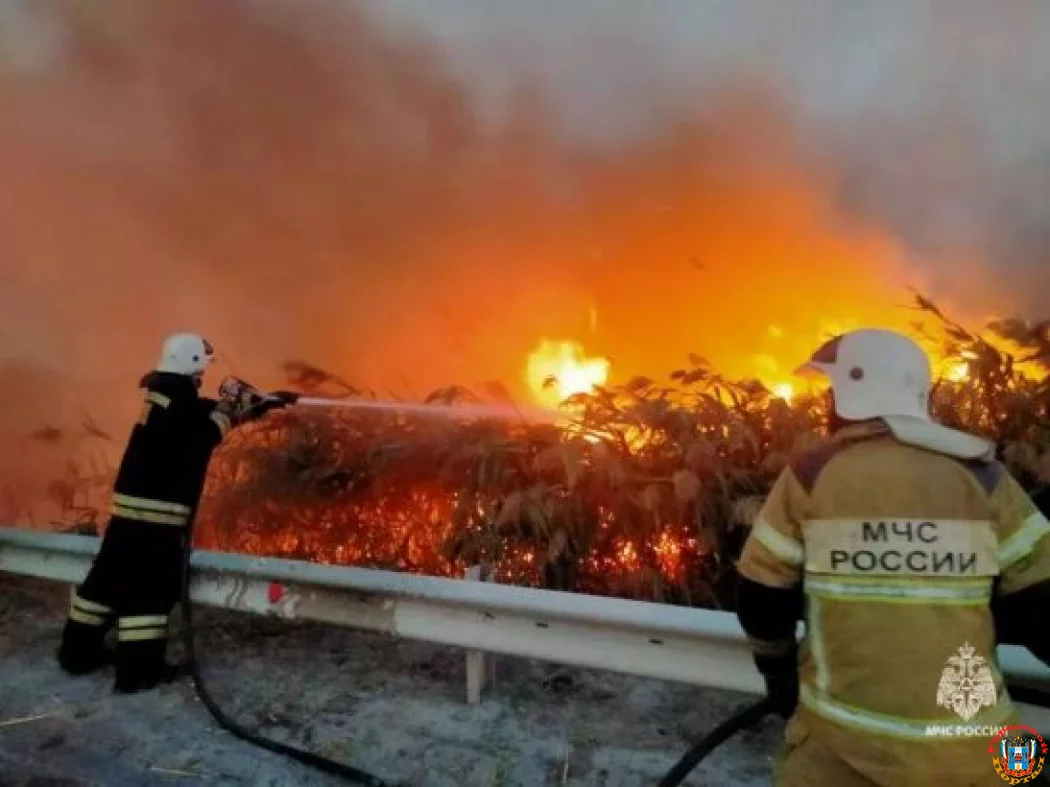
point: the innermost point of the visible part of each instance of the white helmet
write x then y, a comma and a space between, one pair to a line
185, 353
885, 375
875, 373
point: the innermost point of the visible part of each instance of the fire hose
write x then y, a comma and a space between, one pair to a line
236, 390
333, 767
739, 722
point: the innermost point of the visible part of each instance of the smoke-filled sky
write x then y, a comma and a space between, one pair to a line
934, 113
416, 192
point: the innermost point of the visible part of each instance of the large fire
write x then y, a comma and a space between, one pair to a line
557, 369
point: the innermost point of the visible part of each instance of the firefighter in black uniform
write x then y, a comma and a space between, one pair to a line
136, 579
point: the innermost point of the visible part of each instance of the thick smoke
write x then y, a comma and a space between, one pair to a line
931, 116
413, 198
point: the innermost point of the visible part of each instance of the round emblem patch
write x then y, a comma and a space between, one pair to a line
1018, 754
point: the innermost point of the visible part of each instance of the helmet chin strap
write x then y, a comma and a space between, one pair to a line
835, 421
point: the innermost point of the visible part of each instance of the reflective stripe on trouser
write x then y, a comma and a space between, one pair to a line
137, 628
89, 613
143, 509
83, 637
138, 573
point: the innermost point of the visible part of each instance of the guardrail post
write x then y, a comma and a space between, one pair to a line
479, 664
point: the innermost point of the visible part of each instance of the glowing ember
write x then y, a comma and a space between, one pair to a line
558, 369
784, 391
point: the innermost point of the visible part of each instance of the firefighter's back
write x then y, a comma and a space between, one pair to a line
902, 549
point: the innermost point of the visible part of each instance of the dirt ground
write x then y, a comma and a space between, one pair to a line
395, 708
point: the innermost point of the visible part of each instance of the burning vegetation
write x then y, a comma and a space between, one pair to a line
644, 489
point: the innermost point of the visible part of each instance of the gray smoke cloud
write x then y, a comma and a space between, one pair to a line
932, 115
279, 173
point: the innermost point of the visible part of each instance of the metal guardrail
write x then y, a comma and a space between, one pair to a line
700, 647
652, 640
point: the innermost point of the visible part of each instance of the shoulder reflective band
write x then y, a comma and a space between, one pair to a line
1019, 544
149, 400
784, 547
158, 399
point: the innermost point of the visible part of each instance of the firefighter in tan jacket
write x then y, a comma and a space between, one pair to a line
901, 544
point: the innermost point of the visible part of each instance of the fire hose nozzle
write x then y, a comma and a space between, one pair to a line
248, 403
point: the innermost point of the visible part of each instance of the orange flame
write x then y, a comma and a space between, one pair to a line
557, 370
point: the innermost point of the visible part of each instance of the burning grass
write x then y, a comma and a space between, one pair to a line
645, 491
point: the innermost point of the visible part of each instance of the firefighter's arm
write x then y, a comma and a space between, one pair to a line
216, 420
769, 594
1023, 588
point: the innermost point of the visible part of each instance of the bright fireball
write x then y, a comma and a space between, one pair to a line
558, 369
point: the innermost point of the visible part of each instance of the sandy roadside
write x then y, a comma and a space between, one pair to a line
395, 708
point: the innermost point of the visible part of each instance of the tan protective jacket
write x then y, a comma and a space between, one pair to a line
899, 550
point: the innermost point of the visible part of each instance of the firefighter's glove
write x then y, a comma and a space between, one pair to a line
781, 676
243, 409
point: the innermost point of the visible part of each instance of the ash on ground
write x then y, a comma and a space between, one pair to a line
393, 707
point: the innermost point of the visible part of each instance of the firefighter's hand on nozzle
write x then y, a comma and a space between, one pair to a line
243, 402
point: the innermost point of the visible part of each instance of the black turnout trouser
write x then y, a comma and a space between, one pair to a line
134, 582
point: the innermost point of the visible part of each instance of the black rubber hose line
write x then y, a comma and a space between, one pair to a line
333, 767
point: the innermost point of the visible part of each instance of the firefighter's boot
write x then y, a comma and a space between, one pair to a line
142, 666
83, 648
